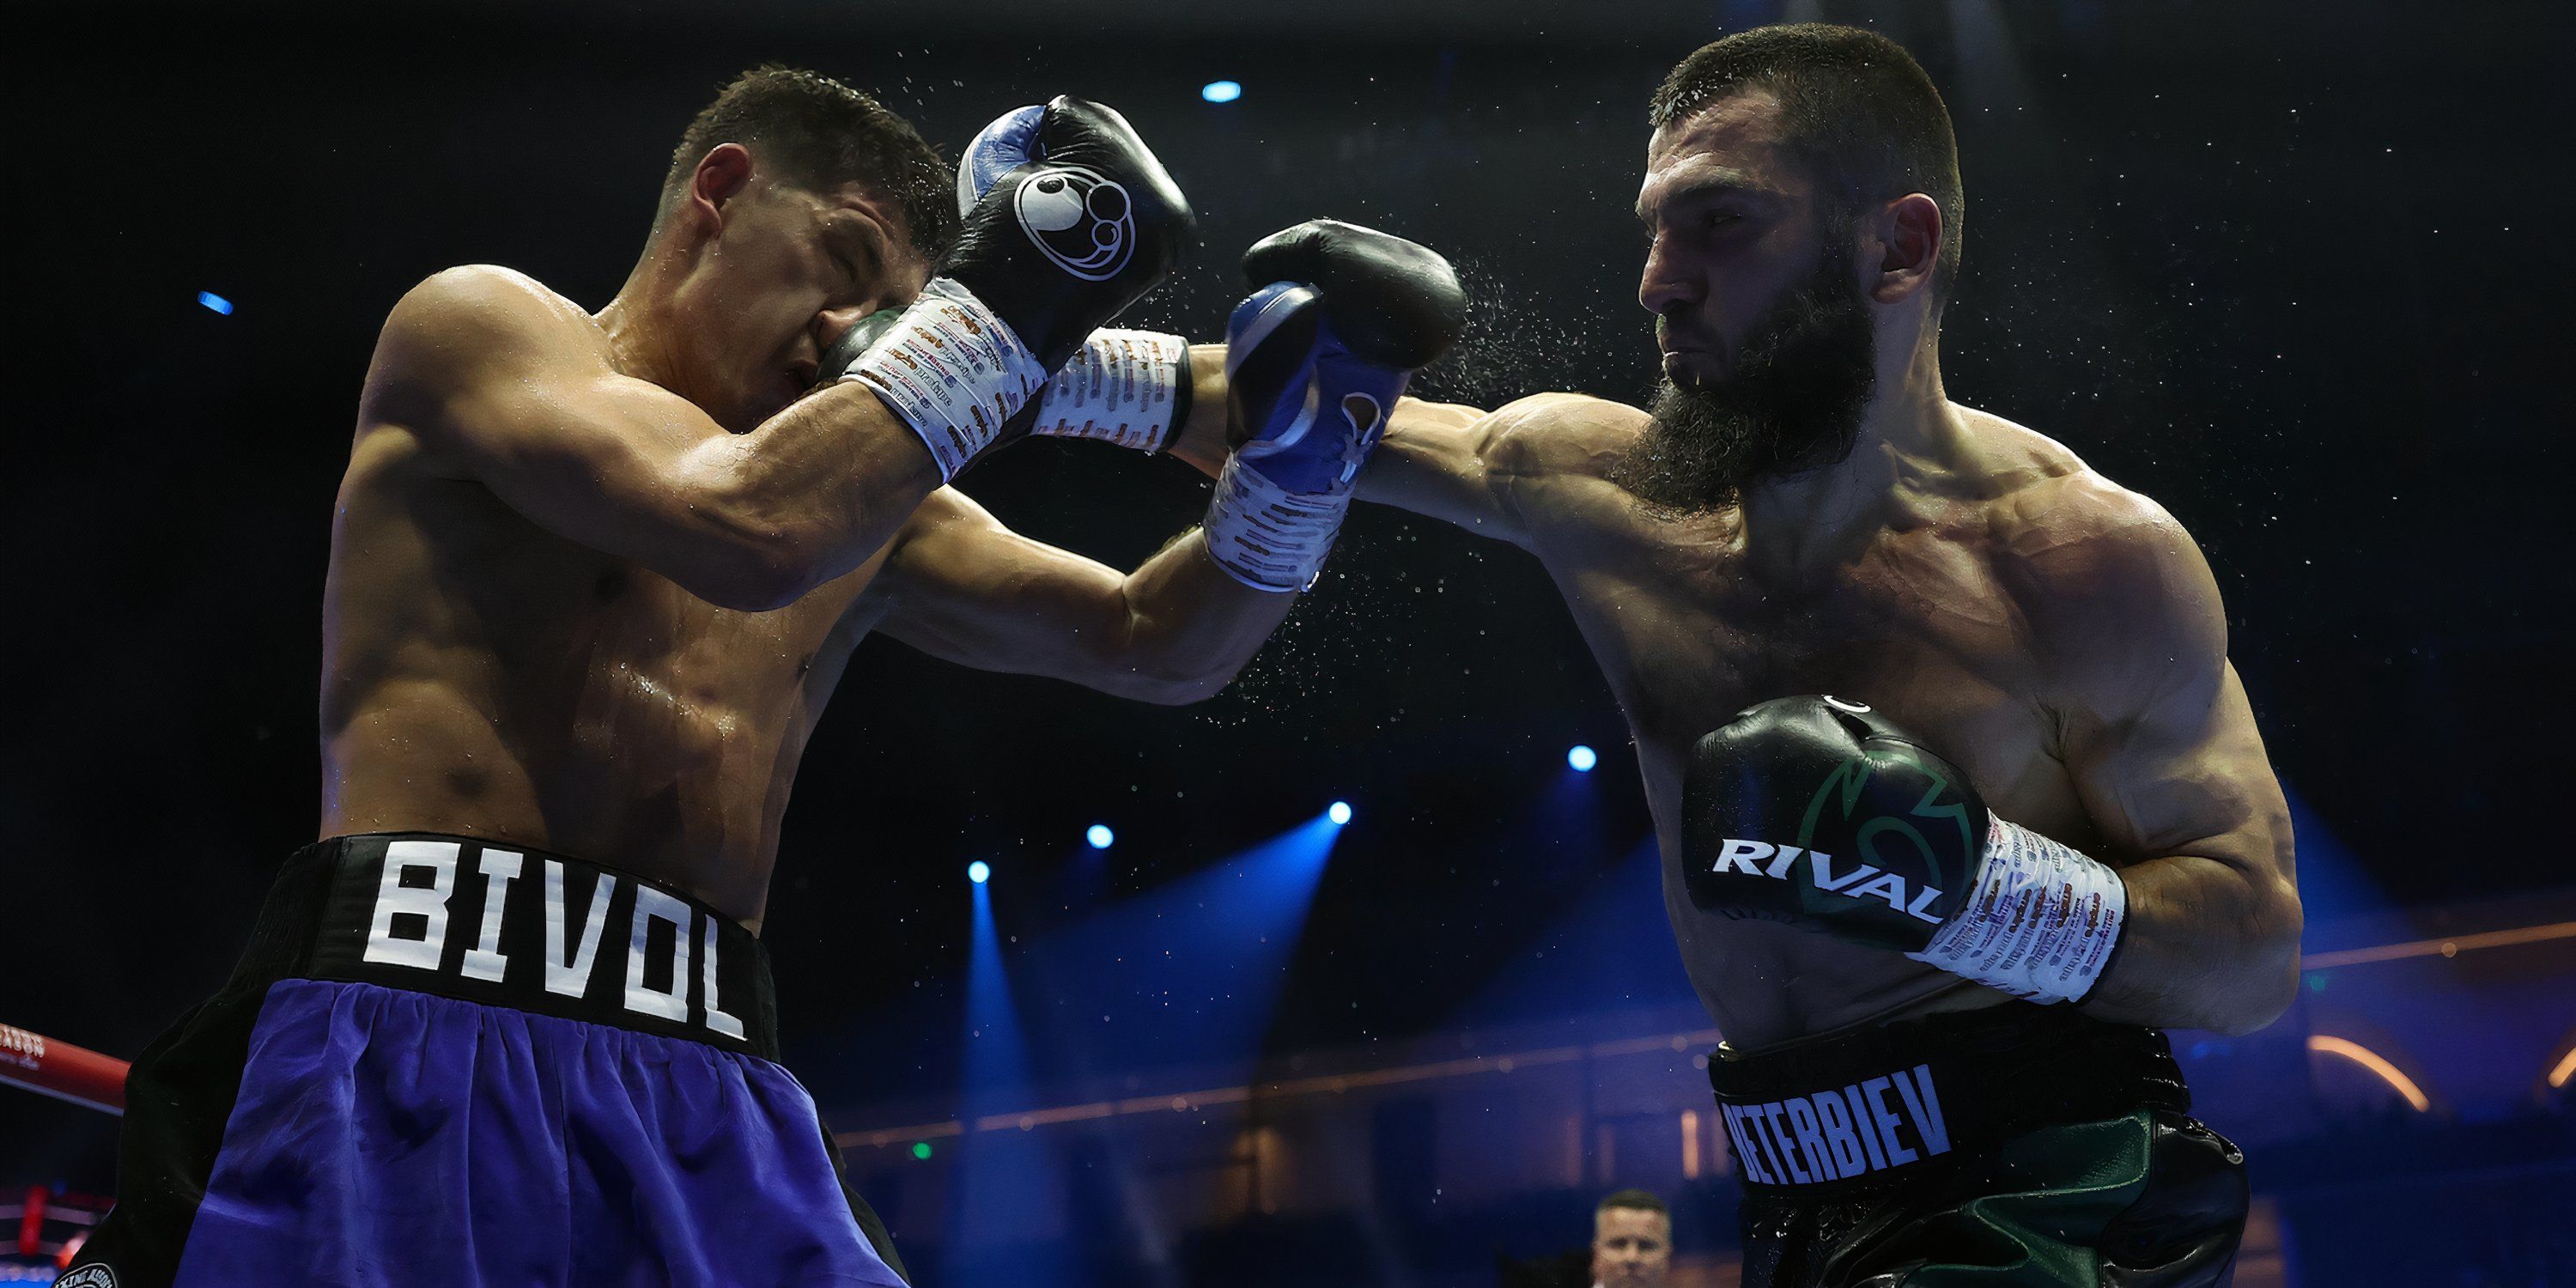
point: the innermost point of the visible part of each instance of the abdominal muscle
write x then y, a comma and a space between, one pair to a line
639, 781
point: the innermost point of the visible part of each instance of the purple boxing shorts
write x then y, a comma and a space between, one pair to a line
450, 1062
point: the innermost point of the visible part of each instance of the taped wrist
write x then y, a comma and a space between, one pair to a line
1131, 388
2041, 922
952, 371
1266, 536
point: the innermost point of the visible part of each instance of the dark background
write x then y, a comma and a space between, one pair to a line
2281, 267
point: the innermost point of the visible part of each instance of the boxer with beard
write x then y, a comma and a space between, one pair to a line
1942, 915
1792, 402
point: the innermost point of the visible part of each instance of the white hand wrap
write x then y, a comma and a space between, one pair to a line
1267, 537
2041, 922
1119, 388
953, 371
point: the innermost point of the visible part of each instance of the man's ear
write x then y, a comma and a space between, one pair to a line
1909, 233
723, 174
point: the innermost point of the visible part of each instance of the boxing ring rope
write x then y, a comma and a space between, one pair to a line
85, 1077
61, 1070
88, 1078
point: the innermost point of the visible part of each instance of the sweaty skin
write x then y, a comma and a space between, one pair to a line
2057, 636
594, 577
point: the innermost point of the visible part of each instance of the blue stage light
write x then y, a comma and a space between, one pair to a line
1339, 812
977, 871
1221, 91
1100, 836
1582, 758
216, 302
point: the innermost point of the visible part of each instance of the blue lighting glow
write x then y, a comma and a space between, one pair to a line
1100, 836
1339, 812
216, 302
978, 871
1582, 758
1221, 91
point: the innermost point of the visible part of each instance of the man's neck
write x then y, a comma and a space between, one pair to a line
1798, 525
637, 323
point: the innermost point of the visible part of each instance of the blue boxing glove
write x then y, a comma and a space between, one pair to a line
1340, 319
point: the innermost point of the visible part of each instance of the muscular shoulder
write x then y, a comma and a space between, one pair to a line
2112, 588
464, 318
1558, 434
466, 336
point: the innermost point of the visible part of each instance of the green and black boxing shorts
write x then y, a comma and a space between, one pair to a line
2016, 1145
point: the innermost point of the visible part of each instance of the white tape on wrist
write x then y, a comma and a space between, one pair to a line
1270, 538
1118, 388
954, 372
2040, 923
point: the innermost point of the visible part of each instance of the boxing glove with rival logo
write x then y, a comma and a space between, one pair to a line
1823, 814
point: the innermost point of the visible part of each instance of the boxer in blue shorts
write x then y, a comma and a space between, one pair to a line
593, 578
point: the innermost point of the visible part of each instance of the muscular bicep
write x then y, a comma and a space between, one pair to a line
2188, 776
1491, 472
2157, 731
1434, 461
511, 387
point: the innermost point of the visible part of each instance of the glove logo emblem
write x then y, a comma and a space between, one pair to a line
1078, 218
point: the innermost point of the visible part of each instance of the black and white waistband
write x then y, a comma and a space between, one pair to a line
506, 925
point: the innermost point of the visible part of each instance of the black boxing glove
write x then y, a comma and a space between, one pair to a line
1068, 220
1391, 302
1315, 358
1822, 814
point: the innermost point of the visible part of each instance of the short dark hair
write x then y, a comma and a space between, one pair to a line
1640, 1200
819, 134
1857, 109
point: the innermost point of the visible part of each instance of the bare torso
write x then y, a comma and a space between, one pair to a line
483, 676
1918, 616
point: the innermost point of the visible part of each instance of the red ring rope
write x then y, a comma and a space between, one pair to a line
61, 1070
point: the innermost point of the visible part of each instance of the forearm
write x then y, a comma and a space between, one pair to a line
826, 483
2208, 944
1189, 626
1202, 438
